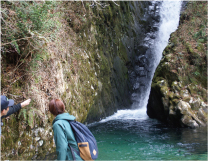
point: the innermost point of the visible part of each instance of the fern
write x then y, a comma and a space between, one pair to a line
24, 113
30, 119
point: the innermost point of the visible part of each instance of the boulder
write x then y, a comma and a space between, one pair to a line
188, 121
195, 104
204, 106
202, 115
183, 107
189, 118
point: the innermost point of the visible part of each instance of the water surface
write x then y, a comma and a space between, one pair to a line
148, 139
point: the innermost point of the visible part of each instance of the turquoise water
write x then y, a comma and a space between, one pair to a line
148, 139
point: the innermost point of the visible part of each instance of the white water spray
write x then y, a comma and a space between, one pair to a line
139, 114
169, 13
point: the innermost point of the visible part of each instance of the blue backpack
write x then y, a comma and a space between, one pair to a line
87, 145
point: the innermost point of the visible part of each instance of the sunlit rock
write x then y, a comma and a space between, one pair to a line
202, 115
195, 104
188, 121
204, 107
185, 109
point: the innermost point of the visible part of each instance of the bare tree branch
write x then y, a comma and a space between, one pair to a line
115, 2
95, 3
83, 5
16, 40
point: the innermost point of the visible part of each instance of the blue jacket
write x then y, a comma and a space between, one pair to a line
63, 135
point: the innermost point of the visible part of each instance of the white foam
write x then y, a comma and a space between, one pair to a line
138, 114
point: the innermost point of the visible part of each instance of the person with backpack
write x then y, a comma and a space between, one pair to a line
63, 134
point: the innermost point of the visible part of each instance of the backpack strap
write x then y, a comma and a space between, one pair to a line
72, 149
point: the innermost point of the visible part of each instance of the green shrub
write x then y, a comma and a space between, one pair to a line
28, 23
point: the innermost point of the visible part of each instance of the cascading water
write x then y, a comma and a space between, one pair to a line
156, 42
169, 13
131, 134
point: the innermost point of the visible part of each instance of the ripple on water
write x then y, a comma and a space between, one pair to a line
148, 140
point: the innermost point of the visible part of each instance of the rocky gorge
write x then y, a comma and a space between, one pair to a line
97, 59
179, 88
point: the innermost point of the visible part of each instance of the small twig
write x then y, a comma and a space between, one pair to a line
92, 5
83, 5
6, 23
17, 79
115, 3
22, 61
20, 57
13, 95
102, 5
16, 40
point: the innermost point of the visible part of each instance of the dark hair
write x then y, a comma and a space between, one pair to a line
56, 107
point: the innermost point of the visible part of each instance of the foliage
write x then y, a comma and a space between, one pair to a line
27, 24
189, 45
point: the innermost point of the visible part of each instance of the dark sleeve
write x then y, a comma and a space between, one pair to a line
13, 109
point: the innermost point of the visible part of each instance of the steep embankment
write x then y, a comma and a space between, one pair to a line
179, 88
54, 50
74, 51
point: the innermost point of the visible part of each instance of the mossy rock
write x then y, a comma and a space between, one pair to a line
162, 83
188, 121
195, 104
202, 115
175, 86
192, 89
165, 71
171, 95
183, 107
165, 91
169, 58
187, 99
184, 93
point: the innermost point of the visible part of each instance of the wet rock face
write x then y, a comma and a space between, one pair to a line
175, 106
178, 93
126, 47
140, 67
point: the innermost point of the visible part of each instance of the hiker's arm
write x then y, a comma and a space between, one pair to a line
25, 103
12, 110
17, 107
60, 141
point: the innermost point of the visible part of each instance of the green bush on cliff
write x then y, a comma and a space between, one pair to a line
27, 24
184, 67
188, 45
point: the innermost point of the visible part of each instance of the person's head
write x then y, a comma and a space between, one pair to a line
56, 107
5, 103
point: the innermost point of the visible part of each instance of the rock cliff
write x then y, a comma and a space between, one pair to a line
80, 52
179, 88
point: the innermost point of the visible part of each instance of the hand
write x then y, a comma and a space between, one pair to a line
25, 103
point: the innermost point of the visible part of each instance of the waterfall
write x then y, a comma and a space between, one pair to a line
169, 12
